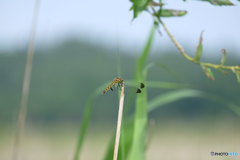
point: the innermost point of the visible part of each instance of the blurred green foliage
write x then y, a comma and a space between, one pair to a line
139, 6
65, 75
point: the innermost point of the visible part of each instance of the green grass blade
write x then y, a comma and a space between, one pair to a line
83, 129
160, 101
110, 149
85, 121
124, 147
140, 65
140, 123
222, 101
118, 59
140, 117
158, 84
142, 59
127, 141
172, 96
163, 66
165, 85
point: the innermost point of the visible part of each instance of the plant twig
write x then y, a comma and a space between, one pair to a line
215, 66
26, 84
118, 132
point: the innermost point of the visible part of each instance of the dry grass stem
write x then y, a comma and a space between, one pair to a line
26, 84
118, 132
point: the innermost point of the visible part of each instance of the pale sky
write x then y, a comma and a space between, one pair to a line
110, 22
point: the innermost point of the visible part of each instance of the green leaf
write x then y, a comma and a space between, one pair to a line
140, 117
163, 66
170, 97
208, 72
165, 85
142, 59
225, 102
223, 60
138, 6
140, 124
198, 53
85, 121
220, 2
158, 84
161, 101
127, 132
83, 129
171, 13
140, 65
237, 73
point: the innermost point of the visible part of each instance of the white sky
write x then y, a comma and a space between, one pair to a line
110, 22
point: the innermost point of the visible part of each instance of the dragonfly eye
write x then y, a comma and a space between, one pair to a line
138, 91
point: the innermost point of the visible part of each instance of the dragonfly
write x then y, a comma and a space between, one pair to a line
118, 82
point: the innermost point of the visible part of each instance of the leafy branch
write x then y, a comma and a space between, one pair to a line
205, 66
157, 12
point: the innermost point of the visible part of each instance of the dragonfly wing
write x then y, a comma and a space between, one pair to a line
142, 85
138, 90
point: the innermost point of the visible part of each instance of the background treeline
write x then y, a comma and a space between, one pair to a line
65, 75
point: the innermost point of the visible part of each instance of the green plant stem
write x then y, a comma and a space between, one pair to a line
179, 47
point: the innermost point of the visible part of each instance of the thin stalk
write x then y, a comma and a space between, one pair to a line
179, 47
118, 132
26, 85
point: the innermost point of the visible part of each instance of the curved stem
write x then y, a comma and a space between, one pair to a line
179, 47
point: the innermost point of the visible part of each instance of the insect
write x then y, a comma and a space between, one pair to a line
118, 82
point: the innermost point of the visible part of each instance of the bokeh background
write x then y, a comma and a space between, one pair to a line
76, 51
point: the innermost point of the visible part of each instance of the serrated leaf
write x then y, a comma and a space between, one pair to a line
139, 6
220, 2
237, 73
198, 53
208, 72
223, 60
171, 13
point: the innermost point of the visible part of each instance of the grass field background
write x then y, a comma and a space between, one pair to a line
66, 75
169, 139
